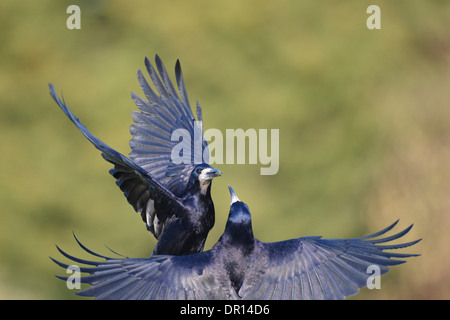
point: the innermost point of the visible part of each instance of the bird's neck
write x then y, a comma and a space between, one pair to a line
196, 187
238, 235
205, 189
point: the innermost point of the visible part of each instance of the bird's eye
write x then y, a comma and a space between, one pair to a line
199, 170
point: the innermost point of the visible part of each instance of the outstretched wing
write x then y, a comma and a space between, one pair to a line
156, 278
153, 131
315, 268
141, 189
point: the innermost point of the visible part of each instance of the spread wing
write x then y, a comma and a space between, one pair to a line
141, 189
154, 126
155, 278
315, 268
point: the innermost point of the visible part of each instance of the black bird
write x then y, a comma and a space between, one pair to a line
242, 267
174, 199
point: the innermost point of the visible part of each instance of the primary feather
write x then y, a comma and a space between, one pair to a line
240, 266
174, 199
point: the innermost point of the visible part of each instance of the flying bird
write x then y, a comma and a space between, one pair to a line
239, 266
173, 198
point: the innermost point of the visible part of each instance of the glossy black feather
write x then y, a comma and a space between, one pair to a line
242, 267
174, 200
155, 123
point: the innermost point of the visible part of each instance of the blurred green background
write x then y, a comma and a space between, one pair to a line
363, 117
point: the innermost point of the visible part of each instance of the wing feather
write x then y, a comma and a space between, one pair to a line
158, 118
154, 278
316, 268
139, 186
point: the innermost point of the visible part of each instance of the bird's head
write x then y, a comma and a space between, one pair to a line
239, 211
238, 230
202, 176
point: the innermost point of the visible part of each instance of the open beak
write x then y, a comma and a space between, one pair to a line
233, 195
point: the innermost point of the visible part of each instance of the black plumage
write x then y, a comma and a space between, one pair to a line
174, 199
242, 267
